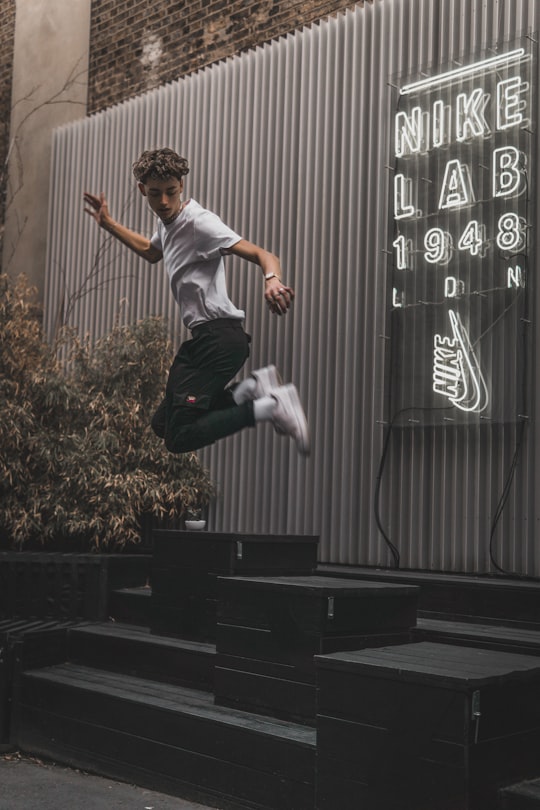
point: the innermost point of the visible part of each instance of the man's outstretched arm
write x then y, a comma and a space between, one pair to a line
139, 244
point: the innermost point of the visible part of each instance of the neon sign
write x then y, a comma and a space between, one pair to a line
462, 212
456, 371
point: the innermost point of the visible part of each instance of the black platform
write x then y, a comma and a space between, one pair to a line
165, 737
186, 566
425, 726
270, 628
491, 599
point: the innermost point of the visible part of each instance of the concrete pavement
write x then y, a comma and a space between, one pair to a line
27, 783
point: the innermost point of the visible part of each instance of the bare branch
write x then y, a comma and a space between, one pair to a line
73, 79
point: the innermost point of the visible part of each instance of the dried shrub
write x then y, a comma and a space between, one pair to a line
79, 463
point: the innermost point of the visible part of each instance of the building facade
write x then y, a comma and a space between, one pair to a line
61, 60
136, 45
387, 153
7, 39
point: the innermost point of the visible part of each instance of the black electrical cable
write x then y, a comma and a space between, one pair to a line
378, 481
503, 499
393, 550
521, 430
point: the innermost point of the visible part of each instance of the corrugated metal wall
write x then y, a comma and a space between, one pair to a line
290, 143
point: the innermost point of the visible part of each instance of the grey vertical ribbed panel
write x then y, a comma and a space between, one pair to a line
290, 143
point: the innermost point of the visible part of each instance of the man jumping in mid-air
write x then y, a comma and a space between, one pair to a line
198, 407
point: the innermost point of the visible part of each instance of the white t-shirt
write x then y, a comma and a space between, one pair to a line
191, 247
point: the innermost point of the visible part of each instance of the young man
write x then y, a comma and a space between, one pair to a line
198, 407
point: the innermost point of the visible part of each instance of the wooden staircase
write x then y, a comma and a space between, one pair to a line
244, 677
164, 736
138, 702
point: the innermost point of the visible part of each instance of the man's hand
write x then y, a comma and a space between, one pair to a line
278, 297
99, 209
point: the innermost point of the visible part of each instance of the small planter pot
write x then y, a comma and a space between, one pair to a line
195, 525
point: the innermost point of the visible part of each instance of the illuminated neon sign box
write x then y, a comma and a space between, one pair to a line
463, 155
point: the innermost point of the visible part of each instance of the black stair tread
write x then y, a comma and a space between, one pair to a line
167, 696
529, 790
139, 590
133, 632
445, 578
320, 585
430, 662
488, 631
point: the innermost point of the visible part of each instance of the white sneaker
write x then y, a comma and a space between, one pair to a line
266, 378
289, 417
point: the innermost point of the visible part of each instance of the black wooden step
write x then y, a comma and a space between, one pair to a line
488, 599
270, 628
222, 553
425, 726
525, 796
165, 737
131, 605
489, 636
186, 566
135, 651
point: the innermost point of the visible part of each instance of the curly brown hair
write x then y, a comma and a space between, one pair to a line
160, 164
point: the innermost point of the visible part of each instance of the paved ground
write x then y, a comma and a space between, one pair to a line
29, 784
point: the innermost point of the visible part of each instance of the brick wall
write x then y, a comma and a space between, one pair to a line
138, 44
7, 37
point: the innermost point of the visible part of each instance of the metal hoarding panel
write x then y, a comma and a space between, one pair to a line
291, 144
